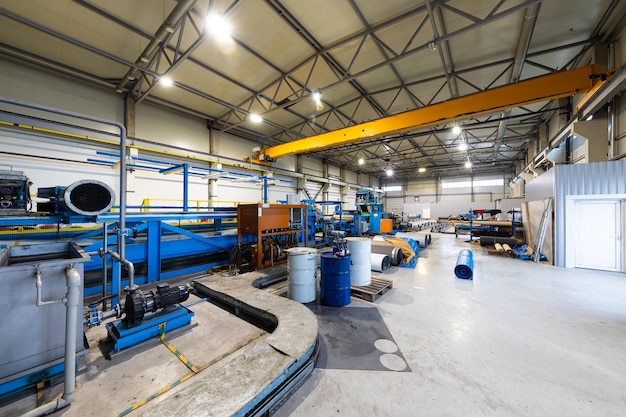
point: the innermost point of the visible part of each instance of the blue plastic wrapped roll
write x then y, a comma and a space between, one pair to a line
464, 265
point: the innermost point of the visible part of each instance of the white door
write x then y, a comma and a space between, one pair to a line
597, 237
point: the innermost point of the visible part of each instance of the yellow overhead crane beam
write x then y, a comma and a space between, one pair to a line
543, 88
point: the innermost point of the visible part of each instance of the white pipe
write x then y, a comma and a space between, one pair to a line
73, 297
71, 300
39, 284
129, 267
47, 408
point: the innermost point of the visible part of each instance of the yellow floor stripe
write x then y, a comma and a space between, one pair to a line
189, 375
175, 351
40, 394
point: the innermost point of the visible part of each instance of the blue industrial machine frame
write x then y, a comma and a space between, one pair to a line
124, 337
17, 385
371, 209
160, 240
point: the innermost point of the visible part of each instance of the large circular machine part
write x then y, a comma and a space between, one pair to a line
88, 197
360, 249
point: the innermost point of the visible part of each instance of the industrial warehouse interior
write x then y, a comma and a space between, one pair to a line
312, 208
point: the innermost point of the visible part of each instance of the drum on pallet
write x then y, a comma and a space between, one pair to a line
302, 285
360, 249
335, 280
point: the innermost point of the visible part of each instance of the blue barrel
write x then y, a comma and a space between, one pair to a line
335, 280
464, 264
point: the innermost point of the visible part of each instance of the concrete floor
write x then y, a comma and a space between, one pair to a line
521, 339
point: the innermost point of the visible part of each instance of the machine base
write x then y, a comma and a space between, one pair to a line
123, 337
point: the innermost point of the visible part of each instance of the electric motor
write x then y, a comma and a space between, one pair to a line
139, 303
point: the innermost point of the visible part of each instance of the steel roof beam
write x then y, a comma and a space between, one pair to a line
534, 90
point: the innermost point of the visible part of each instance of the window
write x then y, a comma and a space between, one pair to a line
392, 188
479, 183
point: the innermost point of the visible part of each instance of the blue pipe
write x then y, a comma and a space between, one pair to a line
464, 265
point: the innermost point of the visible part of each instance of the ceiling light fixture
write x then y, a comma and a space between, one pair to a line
255, 118
317, 97
217, 25
166, 81
456, 130
361, 161
169, 28
463, 146
468, 164
421, 169
389, 172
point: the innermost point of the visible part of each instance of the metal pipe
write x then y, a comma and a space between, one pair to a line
121, 242
129, 267
39, 284
73, 279
71, 300
105, 235
165, 30
47, 408
530, 18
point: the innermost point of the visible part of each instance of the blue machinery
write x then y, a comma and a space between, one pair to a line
365, 219
152, 241
371, 209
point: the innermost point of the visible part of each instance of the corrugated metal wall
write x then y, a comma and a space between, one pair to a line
541, 187
599, 178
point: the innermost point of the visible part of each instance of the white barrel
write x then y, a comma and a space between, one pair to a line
301, 267
380, 262
360, 267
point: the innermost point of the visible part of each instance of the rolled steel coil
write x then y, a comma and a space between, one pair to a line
421, 238
394, 253
380, 262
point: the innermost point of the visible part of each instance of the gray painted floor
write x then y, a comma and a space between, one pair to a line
521, 339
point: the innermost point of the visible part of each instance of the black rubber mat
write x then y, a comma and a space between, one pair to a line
357, 338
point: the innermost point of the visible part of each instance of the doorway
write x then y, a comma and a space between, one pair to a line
595, 227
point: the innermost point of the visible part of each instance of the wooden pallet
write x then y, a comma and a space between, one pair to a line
369, 292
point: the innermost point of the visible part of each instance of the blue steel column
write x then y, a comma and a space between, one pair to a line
186, 188
154, 251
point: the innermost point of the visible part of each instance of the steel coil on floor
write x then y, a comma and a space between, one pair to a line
422, 238
380, 262
394, 253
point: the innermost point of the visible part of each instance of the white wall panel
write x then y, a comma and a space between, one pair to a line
350, 176
23, 83
394, 204
334, 171
312, 166
171, 128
